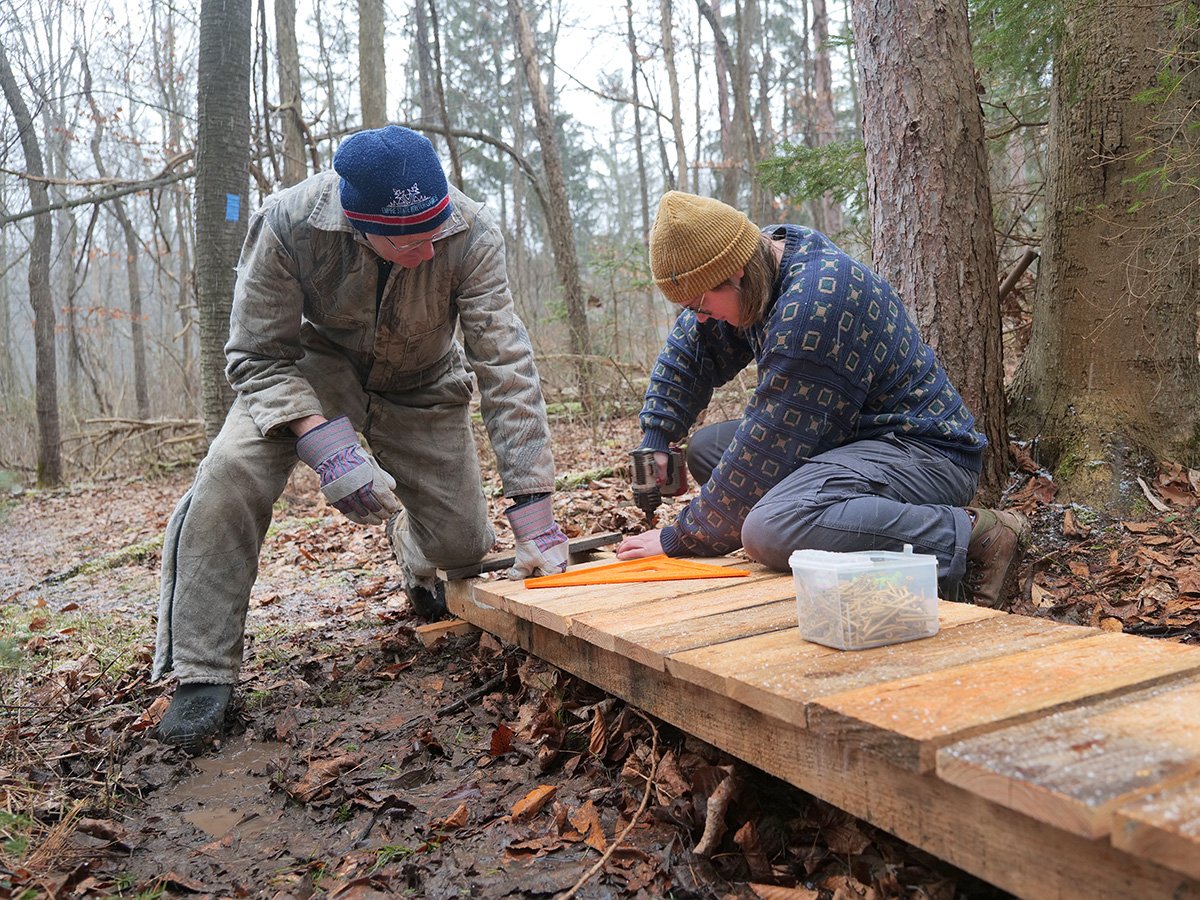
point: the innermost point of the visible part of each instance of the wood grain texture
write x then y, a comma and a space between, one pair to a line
1074, 768
1164, 828
651, 645
554, 608
602, 626
909, 719
1006, 848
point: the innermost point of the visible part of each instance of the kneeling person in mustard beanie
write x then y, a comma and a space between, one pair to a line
854, 438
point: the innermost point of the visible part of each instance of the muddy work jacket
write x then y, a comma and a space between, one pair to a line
305, 278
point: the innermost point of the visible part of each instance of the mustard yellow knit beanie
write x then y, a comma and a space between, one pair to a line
696, 243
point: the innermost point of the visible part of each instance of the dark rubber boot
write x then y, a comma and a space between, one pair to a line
428, 604
195, 716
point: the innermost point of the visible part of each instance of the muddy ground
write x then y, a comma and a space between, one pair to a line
360, 763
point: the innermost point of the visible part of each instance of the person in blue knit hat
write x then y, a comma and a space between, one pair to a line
854, 438
349, 291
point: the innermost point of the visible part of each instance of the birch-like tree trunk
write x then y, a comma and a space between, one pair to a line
372, 64
558, 211
49, 452
929, 196
1109, 382
222, 155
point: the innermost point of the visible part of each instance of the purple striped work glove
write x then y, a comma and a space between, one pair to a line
350, 479
541, 545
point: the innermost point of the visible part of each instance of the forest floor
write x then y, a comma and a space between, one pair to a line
360, 763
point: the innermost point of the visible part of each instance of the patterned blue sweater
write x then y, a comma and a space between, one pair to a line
839, 360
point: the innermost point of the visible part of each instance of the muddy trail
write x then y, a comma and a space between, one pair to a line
358, 762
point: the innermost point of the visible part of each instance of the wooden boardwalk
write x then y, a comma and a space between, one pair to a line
1050, 760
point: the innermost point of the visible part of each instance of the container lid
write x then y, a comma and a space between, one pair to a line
830, 559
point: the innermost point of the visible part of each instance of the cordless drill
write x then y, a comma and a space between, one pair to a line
647, 492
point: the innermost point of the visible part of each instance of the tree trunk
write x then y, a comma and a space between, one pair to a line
439, 86
222, 152
49, 452
558, 211
1110, 380
929, 195
829, 219
291, 120
137, 328
372, 65
668, 43
631, 43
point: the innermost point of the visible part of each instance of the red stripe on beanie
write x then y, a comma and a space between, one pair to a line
432, 213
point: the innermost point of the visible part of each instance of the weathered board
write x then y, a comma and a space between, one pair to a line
1164, 828
724, 661
1073, 769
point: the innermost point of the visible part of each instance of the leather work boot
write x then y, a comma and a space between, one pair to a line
999, 538
196, 714
428, 603
426, 593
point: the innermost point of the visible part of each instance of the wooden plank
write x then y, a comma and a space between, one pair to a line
782, 674
652, 644
578, 549
1074, 768
1006, 848
432, 632
1164, 828
601, 626
555, 608
909, 719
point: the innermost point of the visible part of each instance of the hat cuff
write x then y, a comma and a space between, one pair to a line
419, 223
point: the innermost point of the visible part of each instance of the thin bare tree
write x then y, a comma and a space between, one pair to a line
372, 64
291, 118
49, 453
558, 211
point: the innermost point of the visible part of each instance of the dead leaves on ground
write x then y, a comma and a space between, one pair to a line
1141, 576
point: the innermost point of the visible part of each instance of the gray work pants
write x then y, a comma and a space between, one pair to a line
866, 495
421, 436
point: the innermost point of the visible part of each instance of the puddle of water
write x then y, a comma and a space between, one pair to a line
229, 791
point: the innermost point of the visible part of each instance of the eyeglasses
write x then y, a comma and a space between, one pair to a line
413, 245
697, 306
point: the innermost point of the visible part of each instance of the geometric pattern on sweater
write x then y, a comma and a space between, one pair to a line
839, 360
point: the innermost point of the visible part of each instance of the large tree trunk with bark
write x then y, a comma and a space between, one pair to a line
558, 210
372, 70
49, 452
222, 155
291, 120
1110, 381
929, 194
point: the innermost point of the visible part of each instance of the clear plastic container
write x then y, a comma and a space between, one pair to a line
853, 601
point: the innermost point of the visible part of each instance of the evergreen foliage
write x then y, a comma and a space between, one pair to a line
806, 173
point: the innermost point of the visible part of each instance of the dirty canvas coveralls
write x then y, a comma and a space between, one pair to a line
315, 329
854, 437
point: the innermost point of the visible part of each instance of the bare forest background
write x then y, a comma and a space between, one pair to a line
1026, 175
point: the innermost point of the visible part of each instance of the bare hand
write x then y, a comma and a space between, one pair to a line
648, 543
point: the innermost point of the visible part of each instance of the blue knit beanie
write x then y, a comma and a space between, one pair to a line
392, 182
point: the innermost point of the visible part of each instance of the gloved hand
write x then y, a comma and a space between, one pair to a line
541, 544
350, 479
